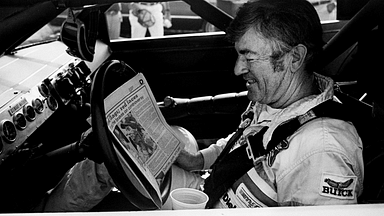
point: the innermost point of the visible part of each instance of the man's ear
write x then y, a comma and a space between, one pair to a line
298, 54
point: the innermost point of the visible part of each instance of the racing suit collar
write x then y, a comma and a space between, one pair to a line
272, 117
325, 85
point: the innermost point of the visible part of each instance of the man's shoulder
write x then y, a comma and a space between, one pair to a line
325, 134
321, 138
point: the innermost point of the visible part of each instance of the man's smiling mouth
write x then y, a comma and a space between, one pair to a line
251, 81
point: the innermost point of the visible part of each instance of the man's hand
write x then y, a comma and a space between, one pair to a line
91, 149
167, 23
190, 161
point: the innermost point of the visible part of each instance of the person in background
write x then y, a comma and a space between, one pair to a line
149, 16
114, 20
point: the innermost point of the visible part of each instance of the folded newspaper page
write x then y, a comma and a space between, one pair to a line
135, 120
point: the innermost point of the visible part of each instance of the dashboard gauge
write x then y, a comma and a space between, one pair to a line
43, 89
20, 121
38, 105
52, 103
29, 112
8, 131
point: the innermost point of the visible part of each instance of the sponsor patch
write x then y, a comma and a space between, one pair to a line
340, 187
228, 200
246, 197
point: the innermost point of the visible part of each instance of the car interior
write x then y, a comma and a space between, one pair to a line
60, 85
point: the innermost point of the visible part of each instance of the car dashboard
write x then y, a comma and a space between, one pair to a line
39, 84
43, 82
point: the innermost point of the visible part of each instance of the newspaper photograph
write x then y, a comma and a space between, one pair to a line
137, 123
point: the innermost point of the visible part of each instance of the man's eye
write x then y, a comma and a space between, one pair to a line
251, 57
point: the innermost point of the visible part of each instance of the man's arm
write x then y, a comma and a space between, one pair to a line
133, 7
190, 161
204, 158
167, 15
328, 165
166, 10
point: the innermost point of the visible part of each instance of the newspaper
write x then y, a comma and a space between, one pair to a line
137, 123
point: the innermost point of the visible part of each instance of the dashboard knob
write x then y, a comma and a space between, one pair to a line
65, 88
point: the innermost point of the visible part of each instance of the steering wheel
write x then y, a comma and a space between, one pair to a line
124, 172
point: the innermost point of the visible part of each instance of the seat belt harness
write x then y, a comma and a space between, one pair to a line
230, 166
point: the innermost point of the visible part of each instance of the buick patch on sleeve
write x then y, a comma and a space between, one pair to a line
336, 186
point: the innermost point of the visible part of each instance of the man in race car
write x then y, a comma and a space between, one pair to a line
318, 163
321, 162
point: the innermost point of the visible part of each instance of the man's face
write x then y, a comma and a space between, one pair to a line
266, 81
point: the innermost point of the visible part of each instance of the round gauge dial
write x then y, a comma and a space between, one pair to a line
19, 121
43, 89
8, 131
29, 112
52, 103
38, 105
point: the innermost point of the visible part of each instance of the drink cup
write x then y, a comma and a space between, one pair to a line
188, 198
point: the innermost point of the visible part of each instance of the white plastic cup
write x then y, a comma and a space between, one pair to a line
188, 198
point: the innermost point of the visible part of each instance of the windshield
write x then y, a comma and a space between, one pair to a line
49, 32
175, 17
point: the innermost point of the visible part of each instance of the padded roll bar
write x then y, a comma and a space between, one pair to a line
365, 20
230, 103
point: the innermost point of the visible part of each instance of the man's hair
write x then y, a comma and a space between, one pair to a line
286, 23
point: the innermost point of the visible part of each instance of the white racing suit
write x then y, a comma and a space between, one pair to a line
322, 165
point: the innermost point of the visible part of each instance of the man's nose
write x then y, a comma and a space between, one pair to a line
240, 67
